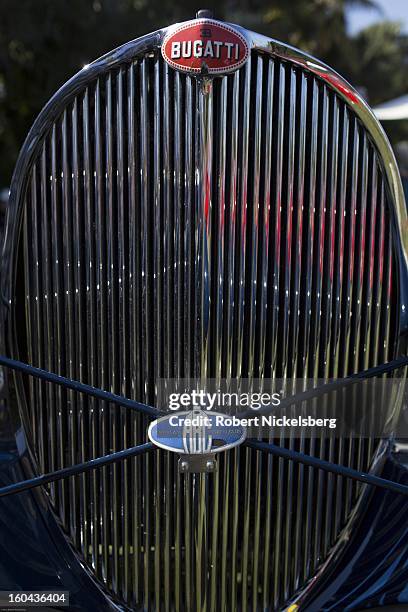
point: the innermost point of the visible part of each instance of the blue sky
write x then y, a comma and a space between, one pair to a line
395, 10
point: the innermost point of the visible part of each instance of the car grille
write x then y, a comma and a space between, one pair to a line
245, 236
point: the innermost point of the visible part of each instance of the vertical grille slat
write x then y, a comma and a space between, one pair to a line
252, 511
276, 368
89, 446
351, 256
241, 220
167, 288
338, 295
134, 312
319, 445
34, 281
220, 242
68, 299
145, 338
48, 338
111, 347
160, 263
296, 305
368, 296
102, 373
287, 312
179, 305
306, 288
204, 229
220, 252
276, 189
56, 298
124, 439
243, 276
188, 231
230, 220
173, 521
328, 291
236, 227
79, 280
267, 230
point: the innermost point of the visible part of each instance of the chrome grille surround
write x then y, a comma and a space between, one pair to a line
103, 281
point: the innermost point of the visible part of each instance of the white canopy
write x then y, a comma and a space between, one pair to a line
393, 109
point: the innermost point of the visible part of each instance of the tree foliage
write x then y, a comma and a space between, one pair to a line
44, 42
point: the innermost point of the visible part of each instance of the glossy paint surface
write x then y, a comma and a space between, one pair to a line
34, 554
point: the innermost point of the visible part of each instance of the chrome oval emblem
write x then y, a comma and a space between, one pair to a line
205, 46
196, 432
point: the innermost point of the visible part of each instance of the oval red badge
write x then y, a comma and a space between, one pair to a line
205, 45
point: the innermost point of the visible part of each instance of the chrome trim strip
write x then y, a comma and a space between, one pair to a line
203, 214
